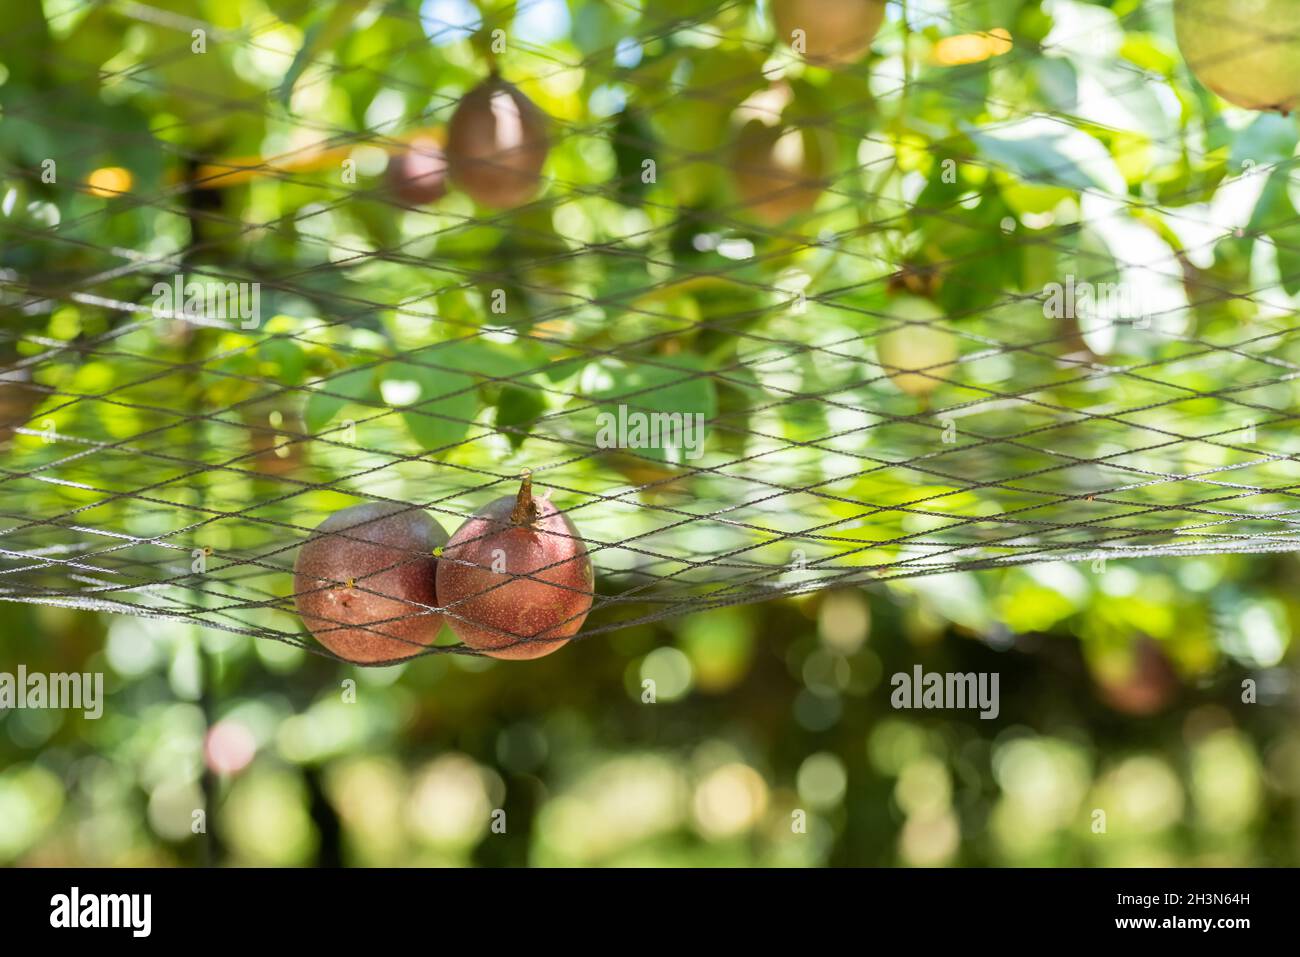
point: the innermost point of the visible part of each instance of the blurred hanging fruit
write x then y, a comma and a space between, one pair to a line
274, 435
1142, 684
778, 171
657, 481
364, 580
496, 144
1246, 51
418, 174
831, 32
516, 580
17, 401
917, 356
633, 144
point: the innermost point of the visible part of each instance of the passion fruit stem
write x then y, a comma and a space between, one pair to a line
526, 510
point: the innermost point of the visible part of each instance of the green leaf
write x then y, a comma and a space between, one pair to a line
358, 384
492, 359
633, 143
518, 409
697, 118
669, 386
1112, 97
324, 33
597, 27
22, 23
1040, 149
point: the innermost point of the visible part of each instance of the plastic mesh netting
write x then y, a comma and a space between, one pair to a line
1042, 308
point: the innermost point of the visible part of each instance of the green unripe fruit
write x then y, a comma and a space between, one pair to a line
917, 356
1246, 51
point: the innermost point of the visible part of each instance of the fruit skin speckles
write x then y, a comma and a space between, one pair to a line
363, 579
1246, 51
542, 592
